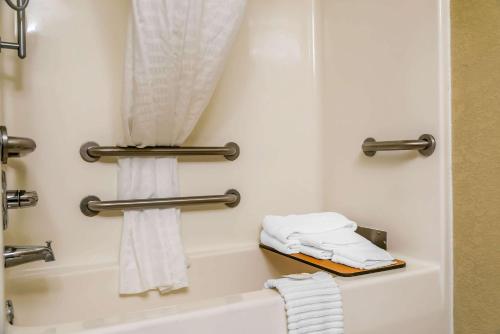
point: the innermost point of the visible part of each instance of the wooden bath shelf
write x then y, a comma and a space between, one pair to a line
335, 268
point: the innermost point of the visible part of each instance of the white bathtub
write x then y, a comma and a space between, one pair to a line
225, 296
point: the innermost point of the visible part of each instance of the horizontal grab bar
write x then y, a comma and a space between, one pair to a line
425, 144
91, 151
92, 205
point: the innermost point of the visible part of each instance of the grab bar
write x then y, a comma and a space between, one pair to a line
91, 151
92, 205
425, 145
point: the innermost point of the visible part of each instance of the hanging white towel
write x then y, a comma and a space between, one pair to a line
313, 303
176, 51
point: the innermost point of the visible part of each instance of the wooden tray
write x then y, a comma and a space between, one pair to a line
335, 268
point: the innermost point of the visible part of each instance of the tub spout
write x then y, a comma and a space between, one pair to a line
16, 255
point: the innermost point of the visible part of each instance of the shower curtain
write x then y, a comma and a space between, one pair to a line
176, 50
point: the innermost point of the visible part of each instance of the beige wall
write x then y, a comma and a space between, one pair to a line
385, 75
67, 91
476, 164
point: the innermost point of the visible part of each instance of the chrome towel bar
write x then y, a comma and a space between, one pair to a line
92, 205
425, 144
91, 151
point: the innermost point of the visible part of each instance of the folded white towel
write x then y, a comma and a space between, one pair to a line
317, 321
361, 265
362, 252
326, 312
312, 301
316, 252
330, 239
307, 286
289, 247
300, 295
317, 329
285, 228
348, 248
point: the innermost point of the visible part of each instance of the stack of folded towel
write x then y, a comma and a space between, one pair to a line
327, 235
312, 301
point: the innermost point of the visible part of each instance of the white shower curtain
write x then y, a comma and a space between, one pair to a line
175, 54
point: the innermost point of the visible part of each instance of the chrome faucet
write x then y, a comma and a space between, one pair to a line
16, 255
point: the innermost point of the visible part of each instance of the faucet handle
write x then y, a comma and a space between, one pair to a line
21, 199
49, 244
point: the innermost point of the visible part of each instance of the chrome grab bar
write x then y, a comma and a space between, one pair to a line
92, 205
91, 151
425, 144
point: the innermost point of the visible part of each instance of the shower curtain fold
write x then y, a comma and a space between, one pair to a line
176, 50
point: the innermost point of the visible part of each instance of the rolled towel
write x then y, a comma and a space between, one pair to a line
286, 228
312, 301
290, 247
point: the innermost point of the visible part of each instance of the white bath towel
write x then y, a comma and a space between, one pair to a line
316, 252
285, 228
289, 247
349, 248
331, 239
313, 302
369, 264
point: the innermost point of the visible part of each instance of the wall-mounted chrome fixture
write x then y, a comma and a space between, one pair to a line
92, 205
18, 199
16, 255
425, 144
91, 151
14, 147
20, 46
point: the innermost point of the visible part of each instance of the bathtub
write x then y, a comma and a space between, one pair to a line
225, 296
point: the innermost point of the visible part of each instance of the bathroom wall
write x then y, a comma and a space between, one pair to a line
476, 164
384, 68
307, 81
67, 91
